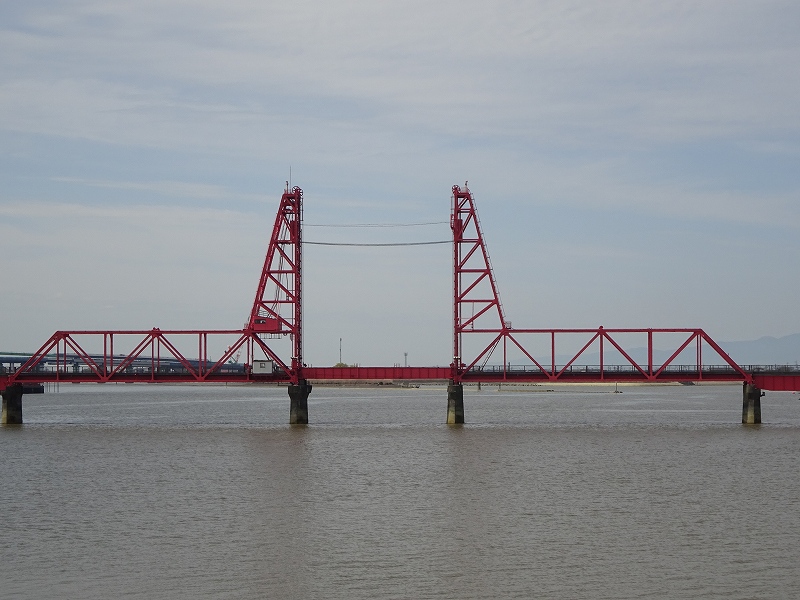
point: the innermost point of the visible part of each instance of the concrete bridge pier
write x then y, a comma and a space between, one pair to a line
455, 403
298, 403
12, 405
751, 404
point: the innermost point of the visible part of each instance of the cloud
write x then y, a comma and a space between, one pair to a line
506, 68
167, 216
158, 134
179, 189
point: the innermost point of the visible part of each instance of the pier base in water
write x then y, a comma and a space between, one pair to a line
298, 403
455, 404
12, 406
751, 404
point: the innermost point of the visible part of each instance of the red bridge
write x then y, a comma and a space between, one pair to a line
484, 342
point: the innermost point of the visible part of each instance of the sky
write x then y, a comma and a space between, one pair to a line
634, 164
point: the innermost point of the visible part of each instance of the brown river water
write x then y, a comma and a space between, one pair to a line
140, 492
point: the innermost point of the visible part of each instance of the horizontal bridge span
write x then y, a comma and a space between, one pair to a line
232, 374
765, 378
378, 373
147, 376
775, 382
579, 375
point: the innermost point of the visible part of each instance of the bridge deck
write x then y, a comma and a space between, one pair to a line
765, 377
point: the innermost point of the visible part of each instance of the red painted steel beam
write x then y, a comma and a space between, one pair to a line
772, 382
777, 382
475, 294
64, 358
276, 311
277, 308
377, 373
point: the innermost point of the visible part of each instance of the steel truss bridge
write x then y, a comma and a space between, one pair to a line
269, 349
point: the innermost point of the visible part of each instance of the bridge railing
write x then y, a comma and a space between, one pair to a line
573, 373
147, 355
773, 369
627, 368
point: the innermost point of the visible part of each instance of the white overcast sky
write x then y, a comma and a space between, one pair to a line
635, 164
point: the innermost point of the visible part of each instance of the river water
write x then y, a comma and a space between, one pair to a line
125, 491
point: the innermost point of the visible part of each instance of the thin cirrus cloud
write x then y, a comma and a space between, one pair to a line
597, 133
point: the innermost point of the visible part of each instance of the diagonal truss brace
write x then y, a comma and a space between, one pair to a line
477, 310
277, 311
278, 305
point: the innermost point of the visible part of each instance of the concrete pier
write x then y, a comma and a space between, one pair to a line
12, 405
751, 404
455, 404
298, 403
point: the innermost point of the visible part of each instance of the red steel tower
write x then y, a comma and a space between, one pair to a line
278, 306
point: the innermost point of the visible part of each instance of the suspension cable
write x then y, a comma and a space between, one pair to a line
375, 224
382, 244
